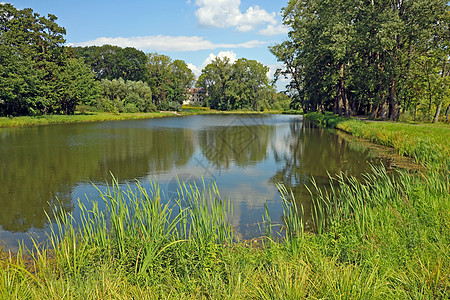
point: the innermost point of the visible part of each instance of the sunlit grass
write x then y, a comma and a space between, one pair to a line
383, 237
77, 118
428, 144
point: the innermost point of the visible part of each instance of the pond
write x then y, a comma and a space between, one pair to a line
246, 155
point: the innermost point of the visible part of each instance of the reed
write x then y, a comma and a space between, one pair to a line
383, 237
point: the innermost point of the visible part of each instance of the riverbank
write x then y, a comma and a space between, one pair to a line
77, 118
385, 237
427, 144
28, 121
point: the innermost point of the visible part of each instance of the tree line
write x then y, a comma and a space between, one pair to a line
377, 57
39, 74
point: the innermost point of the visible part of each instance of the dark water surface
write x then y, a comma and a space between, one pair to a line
245, 154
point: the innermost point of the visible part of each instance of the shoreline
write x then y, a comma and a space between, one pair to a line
29, 121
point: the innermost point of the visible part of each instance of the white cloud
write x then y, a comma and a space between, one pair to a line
227, 13
198, 69
274, 30
222, 54
166, 43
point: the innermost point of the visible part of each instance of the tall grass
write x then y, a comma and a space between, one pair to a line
142, 230
383, 237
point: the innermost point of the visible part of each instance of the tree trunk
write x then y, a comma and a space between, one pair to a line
384, 111
393, 105
438, 111
338, 104
447, 113
374, 111
341, 104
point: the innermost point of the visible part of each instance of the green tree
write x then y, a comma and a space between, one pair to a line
74, 84
215, 78
113, 62
37, 76
366, 56
249, 84
242, 85
126, 96
168, 79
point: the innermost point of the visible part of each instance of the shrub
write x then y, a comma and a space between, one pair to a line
169, 105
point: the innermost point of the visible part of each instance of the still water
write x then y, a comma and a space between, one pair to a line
246, 155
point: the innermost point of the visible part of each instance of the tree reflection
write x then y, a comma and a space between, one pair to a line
41, 164
241, 145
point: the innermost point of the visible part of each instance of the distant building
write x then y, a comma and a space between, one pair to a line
195, 96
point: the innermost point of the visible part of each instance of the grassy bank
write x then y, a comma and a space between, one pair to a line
427, 143
104, 116
383, 238
77, 118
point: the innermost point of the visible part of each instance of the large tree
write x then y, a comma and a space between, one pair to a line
37, 74
113, 62
215, 78
168, 78
239, 85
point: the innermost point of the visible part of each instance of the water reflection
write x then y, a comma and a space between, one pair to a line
309, 152
246, 155
241, 146
40, 165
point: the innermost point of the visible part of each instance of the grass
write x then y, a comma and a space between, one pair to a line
77, 118
428, 144
381, 238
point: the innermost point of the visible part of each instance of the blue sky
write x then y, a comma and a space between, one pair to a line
192, 30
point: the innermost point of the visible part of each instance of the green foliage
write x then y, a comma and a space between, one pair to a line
327, 120
38, 76
125, 96
169, 106
376, 57
74, 85
168, 78
241, 85
112, 62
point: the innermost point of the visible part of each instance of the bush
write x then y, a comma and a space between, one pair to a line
328, 119
169, 106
